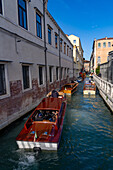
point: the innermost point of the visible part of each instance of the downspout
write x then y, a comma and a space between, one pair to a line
45, 48
59, 60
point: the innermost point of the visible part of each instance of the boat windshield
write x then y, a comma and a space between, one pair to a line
88, 86
45, 115
68, 86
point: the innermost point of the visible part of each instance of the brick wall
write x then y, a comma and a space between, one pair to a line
19, 101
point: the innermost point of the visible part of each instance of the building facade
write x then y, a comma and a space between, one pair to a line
35, 57
101, 48
77, 53
86, 65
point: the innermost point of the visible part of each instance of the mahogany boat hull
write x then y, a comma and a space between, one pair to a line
69, 91
25, 140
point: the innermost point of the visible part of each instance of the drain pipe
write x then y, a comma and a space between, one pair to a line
45, 48
59, 60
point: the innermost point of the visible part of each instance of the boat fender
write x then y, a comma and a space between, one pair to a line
37, 149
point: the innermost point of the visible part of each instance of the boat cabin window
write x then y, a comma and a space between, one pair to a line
43, 115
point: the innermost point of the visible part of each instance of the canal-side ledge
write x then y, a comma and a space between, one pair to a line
105, 89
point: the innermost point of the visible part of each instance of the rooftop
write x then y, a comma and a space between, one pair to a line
106, 38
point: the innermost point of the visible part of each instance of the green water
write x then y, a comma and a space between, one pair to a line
86, 142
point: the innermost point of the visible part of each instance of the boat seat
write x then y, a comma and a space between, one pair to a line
39, 119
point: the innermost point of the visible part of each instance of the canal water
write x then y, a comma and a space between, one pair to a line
86, 142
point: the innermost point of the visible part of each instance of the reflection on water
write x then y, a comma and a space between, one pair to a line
86, 142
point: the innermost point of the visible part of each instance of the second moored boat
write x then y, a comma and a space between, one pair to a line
69, 88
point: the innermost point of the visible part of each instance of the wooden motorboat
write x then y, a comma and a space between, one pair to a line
44, 127
69, 88
89, 88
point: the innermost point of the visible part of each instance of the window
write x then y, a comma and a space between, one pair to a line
57, 73
67, 50
2, 80
38, 25
104, 44
99, 45
109, 44
55, 40
99, 60
0, 6
61, 45
49, 36
64, 48
61, 73
74, 41
25, 70
41, 75
65, 73
68, 72
22, 13
50, 74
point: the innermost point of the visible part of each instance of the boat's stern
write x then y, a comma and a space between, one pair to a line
89, 92
41, 145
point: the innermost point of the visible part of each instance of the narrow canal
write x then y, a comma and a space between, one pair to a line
86, 142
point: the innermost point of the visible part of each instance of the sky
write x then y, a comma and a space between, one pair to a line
86, 19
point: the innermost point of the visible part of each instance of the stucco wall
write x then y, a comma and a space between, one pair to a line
18, 47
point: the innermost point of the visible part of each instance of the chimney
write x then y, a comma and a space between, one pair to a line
106, 38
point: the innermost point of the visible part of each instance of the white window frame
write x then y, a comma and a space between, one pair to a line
30, 79
74, 42
109, 43
98, 45
27, 8
103, 44
6, 81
